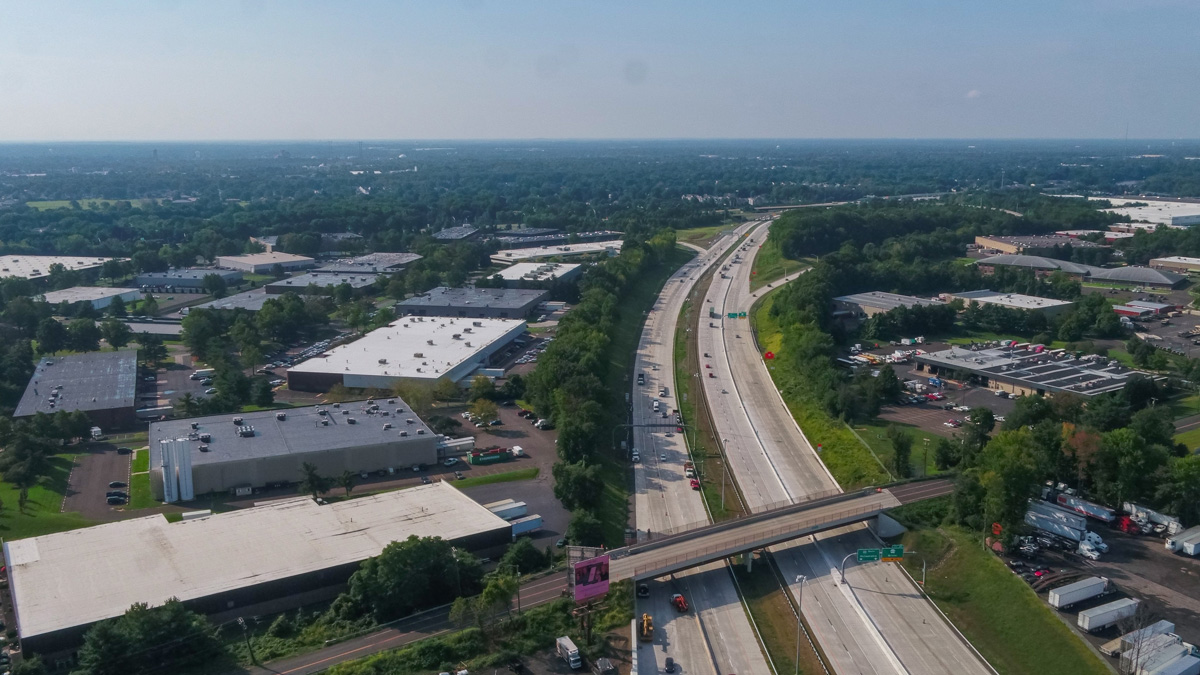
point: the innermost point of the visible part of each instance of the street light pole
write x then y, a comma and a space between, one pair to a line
800, 579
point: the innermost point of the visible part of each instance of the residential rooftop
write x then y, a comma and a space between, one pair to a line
420, 347
301, 432
497, 298
91, 381
38, 266
78, 577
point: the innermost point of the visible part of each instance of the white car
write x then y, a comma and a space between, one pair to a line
450, 461
210, 391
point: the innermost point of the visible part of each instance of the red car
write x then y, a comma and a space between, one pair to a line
695, 484
712, 375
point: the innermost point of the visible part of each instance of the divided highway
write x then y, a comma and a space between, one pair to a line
876, 623
715, 637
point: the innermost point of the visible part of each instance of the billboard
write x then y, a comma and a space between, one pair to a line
591, 578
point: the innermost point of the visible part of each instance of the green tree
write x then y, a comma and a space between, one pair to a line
116, 307
523, 556
150, 305
214, 284
153, 351
346, 481
312, 481
30, 665
417, 395
1125, 467
262, 394
485, 410
1008, 475
410, 575
51, 336
445, 390
83, 335
1106, 412
979, 425
144, 640
901, 450
513, 388
946, 454
585, 528
577, 485
481, 387
116, 333
1179, 492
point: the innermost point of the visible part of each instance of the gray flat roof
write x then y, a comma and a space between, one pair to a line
1043, 241
92, 381
82, 576
1037, 262
500, 298
888, 301
460, 232
1139, 275
191, 273
249, 300
371, 262
328, 280
1050, 370
301, 433
87, 294
1014, 300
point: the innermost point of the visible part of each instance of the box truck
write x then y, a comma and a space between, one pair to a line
1186, 542
1084, 589
1132, 639
1099, 618
569, 652
510, 511
526, 525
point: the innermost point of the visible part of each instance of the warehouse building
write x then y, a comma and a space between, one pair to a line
862, 305
1040, 265
1031, 303
528, 240
473, 303
1158, 211
610, 248
1177, 263
323, 283
1022, 368
460, 233
249, 450
264, 263
1008, 244
38, 266
99, 297
226, 563
538, 275
422, 349
101, 384
183, 279
371, 263
251, 301
1135, 275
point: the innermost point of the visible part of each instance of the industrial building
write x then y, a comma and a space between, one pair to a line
1177, 263
1007, 244
1031, 303
323, 283
228, 562
1109, 235
862, 305
101, 384
1154, 307
251, 301
1029, 369
1157, 211
371, 263
538, 275
330, 241
473, 303
220, 453
99, 297
527, 240
459, 233
183, 279
510, 256
1131, 275
415, 348
38, 266
264, 263
1135, 275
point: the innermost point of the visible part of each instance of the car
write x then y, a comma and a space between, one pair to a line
695, 484
450, 461
669, 665
124, 451
560, 543
150, 378
708, 365
276, 383
117, 493
999, 418
680, 602
117, 484
643, 591
205, 382
636, 459
116, 501
458, 475
495, 423
425, 480
664, 414
364, 475
679, 430
662, 456
210, 391
416, 468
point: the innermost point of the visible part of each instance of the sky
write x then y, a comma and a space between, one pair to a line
516, 69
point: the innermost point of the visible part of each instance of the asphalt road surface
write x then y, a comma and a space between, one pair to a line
878, 622
715, 637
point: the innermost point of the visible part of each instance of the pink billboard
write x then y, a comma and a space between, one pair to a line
591, 578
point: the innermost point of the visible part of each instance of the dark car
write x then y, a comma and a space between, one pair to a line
117, 484
425, 480
118, 493
116, 501
124, 451
643, 591
669, 665
459, 475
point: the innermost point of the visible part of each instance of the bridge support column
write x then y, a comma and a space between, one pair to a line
749, 556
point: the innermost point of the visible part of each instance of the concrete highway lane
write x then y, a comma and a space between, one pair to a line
878, 622
715, 636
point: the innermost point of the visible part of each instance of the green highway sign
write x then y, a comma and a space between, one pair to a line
733, 315
868, 555
741, 315
892, 553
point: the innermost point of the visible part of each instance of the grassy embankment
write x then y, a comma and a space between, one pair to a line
43, 509
1005, 620
874, 434
702, 236
506, 477
850, 462
613, 509
770, 265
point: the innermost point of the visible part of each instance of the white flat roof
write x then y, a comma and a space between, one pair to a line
1014, 300
1180, 259
1155, 211
38, 266
536, 271
399, 342
81, 576
88, 294
518, 254
265, 258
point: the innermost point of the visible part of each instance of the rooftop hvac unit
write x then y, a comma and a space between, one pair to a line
468, 344
281, 416
324, 422
409, 421
403, 433
420, 432
351, 421
429, 342
477, 324
383, 361
237, 420
387, 425
457, 336
419, 355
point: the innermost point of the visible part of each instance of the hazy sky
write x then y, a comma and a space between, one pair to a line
216, 70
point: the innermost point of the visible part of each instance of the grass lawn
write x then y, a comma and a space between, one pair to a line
613, 508
1005, 620
1122, 356
702, 236
850, 462
139, 492
83, 203
1185, 406
770, 265
43, 511
141, 461
507, 476
874, 434
1190, 438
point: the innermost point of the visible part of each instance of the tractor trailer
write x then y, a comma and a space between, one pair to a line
1099, 618
1084, 589
1186, 542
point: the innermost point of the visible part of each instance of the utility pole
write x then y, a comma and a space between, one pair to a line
246, 634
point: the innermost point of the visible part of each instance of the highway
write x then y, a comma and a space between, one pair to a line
715, 637
878, 622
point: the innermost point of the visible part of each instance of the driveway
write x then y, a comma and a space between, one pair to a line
87, 487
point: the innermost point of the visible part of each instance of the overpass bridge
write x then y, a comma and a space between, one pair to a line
703, 545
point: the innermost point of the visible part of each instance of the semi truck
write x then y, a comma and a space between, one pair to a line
510, 511
1099, 618
526, 525
1084, 589
1186, 542
1089, 509
490, 456
1059, 528
1188, 665
1132, 639
1153, 653
568, 652
1075, 520
1142, 514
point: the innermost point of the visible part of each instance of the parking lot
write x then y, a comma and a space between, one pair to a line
934, 416
88, 485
